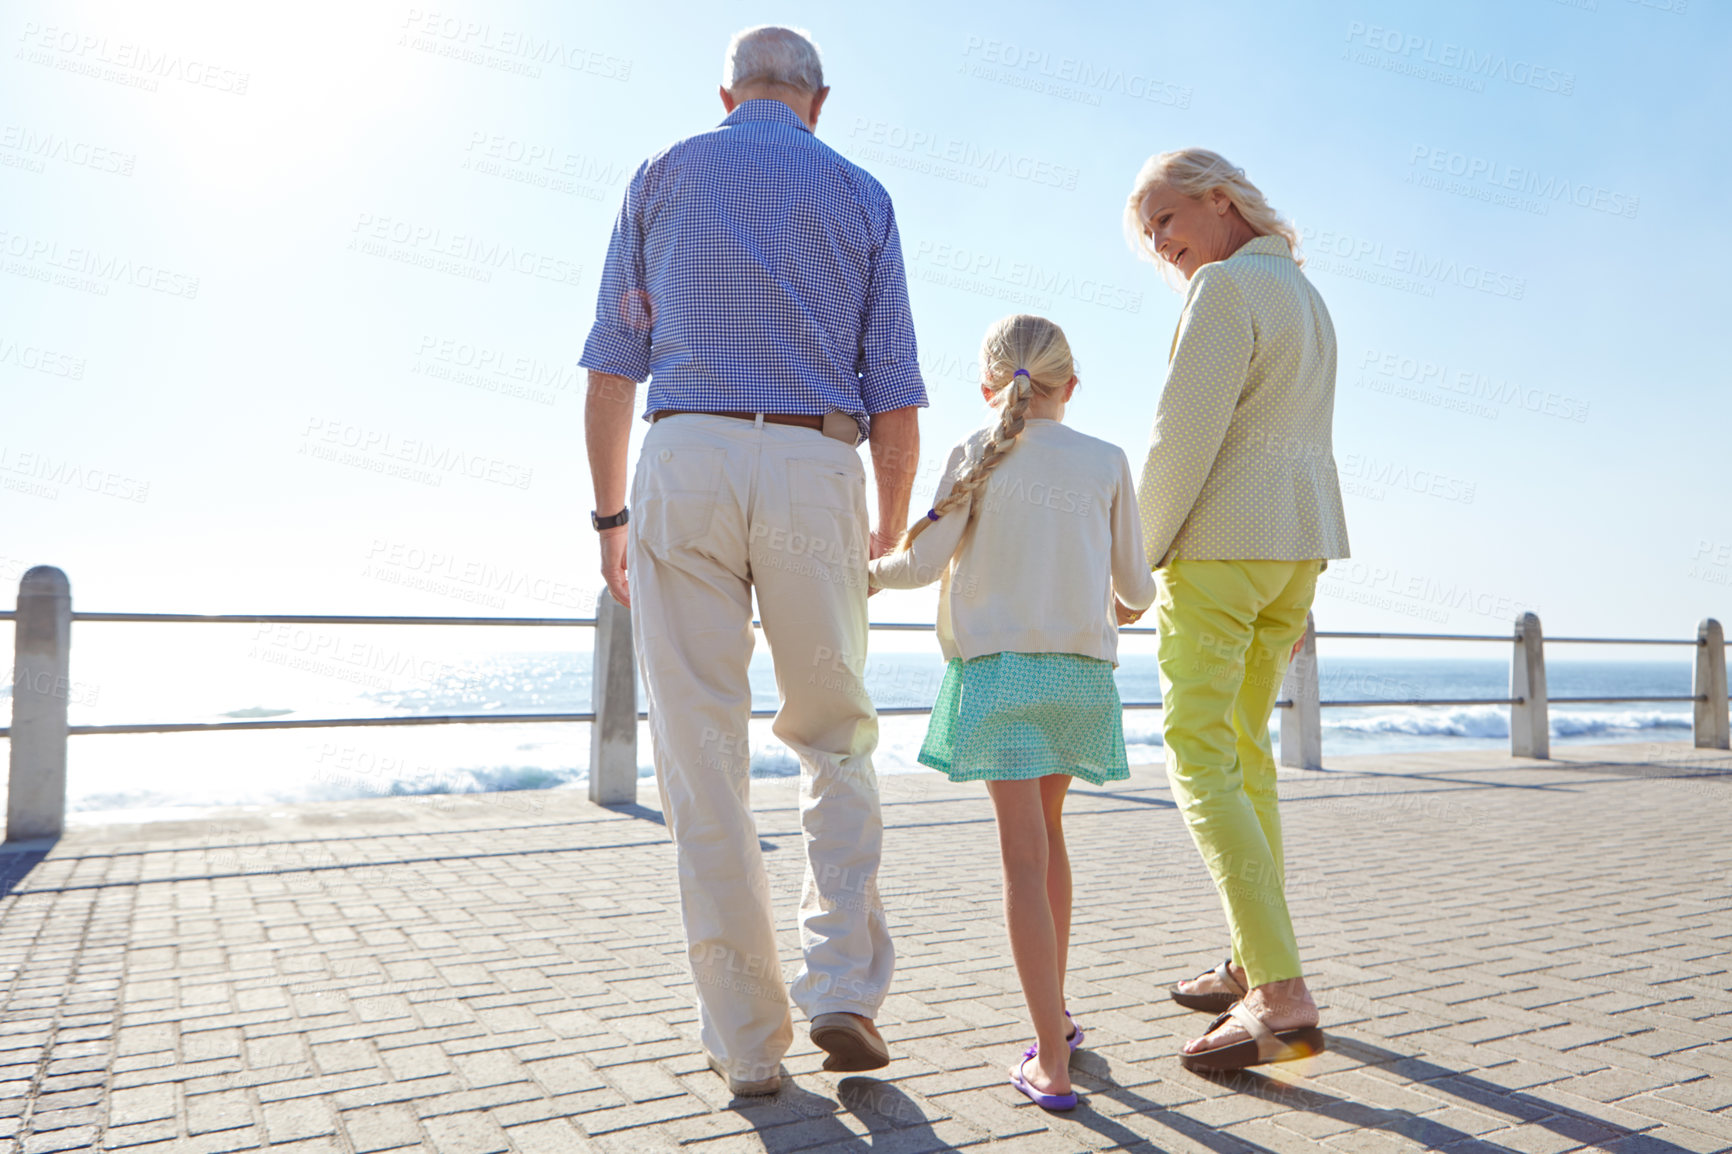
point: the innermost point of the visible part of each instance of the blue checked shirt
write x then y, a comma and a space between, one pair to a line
753, 269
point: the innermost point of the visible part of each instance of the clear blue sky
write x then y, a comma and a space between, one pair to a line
317, 278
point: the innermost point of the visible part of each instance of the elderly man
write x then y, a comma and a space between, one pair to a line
756, 278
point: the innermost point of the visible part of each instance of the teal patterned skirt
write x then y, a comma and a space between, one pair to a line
1009, 716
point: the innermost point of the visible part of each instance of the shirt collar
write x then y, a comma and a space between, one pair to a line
1266, 246
764, 111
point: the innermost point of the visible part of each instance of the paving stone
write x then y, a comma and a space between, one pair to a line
643, 1081
1706, 1094
141, 1104
386, 1127
489, 1067
471, 1133
223, 1110
297, 1118
550, 1137
139, 1133
1669, 1140
76, 1138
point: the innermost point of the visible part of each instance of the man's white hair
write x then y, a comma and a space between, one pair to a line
771, 54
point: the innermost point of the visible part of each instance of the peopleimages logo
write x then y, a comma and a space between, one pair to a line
986, 268
463, 254
1430, 59
504, 48
122, 61
1498, 176
920, 149
37, 147
41, 360
352, 444
89, 269
1419, 588
1411, 262
542, 165
468, 578
1368, 476
1436, 376
494, 370
1064, 76
43, 472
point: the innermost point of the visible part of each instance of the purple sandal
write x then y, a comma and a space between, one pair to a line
1076, 1038
1044, 1101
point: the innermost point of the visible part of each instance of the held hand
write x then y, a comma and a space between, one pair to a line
613, 564
1125, 614
879, 543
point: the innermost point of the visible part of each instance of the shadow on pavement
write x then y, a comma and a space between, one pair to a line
1518, 1104
1095, 1081
641, 812
17, 859
1521, 1108
798, 1118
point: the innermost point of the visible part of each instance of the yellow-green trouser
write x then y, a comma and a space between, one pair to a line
1226, 631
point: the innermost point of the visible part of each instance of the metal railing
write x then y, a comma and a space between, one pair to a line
36, 801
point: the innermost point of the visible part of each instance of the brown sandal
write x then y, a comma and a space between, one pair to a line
1263, 1046
1211, 1003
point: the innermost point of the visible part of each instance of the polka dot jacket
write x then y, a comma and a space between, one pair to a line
1241, 464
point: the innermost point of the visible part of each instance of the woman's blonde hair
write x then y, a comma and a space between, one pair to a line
1020, 356
1195, 172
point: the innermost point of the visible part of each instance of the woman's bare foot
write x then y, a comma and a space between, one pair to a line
1050, 1074
1281, 1006
1212, 983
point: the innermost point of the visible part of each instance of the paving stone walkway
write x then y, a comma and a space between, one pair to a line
1511, 955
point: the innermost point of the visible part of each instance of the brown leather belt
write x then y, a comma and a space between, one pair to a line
804, 420
835, 424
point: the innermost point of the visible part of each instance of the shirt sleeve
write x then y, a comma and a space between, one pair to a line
889, 365
619, 342
1133, 580
1206, 375
927, 559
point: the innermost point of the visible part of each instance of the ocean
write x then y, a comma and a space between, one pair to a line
129, 673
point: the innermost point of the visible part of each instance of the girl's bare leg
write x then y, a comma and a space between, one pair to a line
1022, 843
1052, 793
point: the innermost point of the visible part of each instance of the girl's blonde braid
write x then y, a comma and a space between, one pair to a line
1010, 424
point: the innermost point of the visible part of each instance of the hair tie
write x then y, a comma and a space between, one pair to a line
932, 514
1021, 373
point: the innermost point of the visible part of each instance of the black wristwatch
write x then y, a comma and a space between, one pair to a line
612, 522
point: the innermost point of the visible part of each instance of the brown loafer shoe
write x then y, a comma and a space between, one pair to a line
852, 1043
746, 1087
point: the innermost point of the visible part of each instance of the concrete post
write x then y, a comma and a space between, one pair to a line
42, 643
1713, 727
1302, 725
613, 699
1530, 727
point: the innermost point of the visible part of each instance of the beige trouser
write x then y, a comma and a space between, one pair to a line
720, 505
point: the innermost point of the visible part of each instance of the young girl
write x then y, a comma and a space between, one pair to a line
1034, 529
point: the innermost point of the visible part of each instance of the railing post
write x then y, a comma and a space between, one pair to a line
613, 699
1713, 727
42, 641
1302, 727
1530, 727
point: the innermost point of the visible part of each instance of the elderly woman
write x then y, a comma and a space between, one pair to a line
1241, 509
